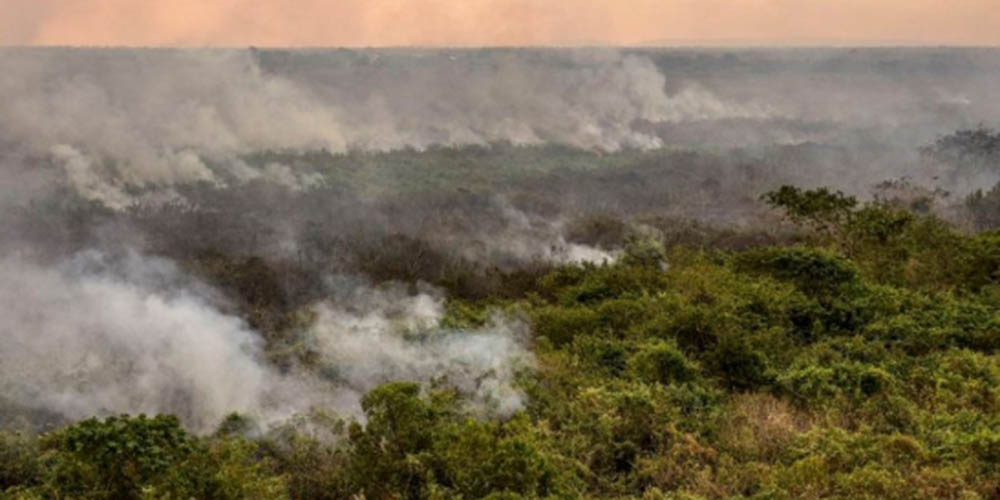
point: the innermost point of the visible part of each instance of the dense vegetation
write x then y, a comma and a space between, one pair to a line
857, 359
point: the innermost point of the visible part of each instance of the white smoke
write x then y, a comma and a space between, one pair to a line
86, 180
81, 344
92, 338
276, 173
529, 237
374, 336
119, 119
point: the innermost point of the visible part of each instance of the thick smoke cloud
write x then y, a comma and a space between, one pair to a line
79, 344
98, 336
370, 336
456, 167
109, 122
121, 119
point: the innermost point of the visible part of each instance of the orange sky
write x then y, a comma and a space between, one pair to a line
497, 22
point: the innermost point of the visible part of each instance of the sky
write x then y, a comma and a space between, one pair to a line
365, 23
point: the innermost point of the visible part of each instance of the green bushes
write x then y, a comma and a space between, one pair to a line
739, 366
892, 245
20, 464
141, 458
859, 356
816, 272
825, 384
662, 362
561, 324
418, 446
865, 364
821, 209
391, 453
120, 457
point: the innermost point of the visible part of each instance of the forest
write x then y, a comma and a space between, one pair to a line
687, 295
849, 353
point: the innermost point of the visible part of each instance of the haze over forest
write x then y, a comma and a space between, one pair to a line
601, 272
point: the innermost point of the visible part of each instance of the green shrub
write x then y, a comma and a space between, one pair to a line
740, 366
662, 362
121, 457
821, 208
19, 460
824, 385
816, 272
561, 324
609, 358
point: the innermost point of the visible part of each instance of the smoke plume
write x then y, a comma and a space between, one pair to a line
166, 212
99, 336
123, 119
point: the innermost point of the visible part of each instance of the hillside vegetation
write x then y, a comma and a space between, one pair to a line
857, 359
